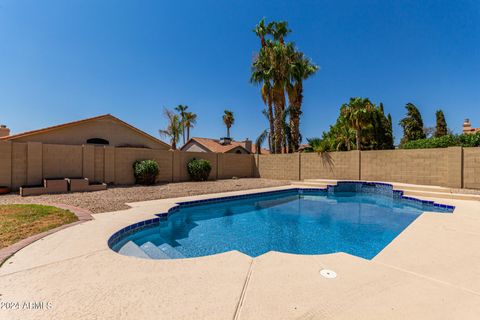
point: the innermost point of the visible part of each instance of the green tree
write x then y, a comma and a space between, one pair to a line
189, 122
174, 128
228, 120
301, 69
261, 75
182, 110
389, 139
412, 124
270, 68
441, 124
358, 114
279, 68
379, 136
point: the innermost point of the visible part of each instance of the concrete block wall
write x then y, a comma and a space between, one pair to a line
471, 168
279, 166
419, 166
235, 165
28, 163
454, 167
125, 157
5, 163
332, 165
185, 157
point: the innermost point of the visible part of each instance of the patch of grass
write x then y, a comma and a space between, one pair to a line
20, 221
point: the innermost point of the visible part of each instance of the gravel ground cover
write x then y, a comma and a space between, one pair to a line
114, 198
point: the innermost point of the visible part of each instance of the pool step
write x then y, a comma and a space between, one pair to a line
131, 249
170, 251
153, 251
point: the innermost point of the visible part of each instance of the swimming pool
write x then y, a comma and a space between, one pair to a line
352, 217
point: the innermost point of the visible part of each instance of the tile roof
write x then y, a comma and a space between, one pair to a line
214, 145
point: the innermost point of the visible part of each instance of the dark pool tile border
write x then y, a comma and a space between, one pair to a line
124, 232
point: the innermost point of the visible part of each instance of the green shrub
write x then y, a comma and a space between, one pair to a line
199, 169
451, 140
145, 171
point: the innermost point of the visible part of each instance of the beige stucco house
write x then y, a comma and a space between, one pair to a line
101, 130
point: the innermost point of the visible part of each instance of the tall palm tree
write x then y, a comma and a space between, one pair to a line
182, 110
228, 120
261, 75
174, 128
301, 69
357, 114
189, 122
262, 30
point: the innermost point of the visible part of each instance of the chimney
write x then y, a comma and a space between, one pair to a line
225, 140
248, 145
467, 126
4, 131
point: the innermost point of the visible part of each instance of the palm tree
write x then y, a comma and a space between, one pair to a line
357, 115
174, 128
189, 122
228, 120
345, 138
262, 75
182, 110
260, 140
316, 145
301, 69
262, 30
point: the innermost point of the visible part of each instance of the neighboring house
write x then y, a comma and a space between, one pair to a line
223, 145
467, 127
102, 130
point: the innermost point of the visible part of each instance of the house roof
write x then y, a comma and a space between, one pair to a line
74, 123
214, 145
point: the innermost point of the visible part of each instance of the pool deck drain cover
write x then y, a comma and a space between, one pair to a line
329, 274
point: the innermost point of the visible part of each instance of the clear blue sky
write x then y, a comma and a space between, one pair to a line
66, 60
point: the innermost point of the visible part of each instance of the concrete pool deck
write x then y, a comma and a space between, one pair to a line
430, 271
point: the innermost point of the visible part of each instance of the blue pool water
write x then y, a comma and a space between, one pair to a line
314, 222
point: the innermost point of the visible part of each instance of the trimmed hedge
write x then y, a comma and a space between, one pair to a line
199, 169
145, 171
463, 140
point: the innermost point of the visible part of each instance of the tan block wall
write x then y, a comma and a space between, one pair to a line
279, 166
422, 166
34, 163
60, 161
471, 168
5, 164
108, 129
235, 165
29, 163
109, 165
19, 165
185, 157
332, 165
125, 157
99, 159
